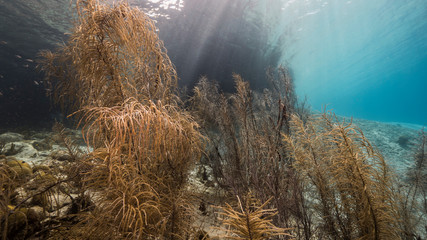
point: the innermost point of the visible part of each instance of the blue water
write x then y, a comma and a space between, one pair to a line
362, 58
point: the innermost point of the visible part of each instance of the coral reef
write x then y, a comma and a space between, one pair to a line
278, 171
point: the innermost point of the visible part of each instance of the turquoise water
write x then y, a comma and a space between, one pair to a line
361, 58
364, 58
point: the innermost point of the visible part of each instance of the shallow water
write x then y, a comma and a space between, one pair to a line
364, 58
361, 58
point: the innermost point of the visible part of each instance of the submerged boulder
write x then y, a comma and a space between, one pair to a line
22, 222
61, 155
42, 145
11, 137
21, 168
21, 150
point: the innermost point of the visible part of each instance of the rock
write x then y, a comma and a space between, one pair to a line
21, 150
45, 178
41, 200
11, 137
205, 175
39, 211
44, 199
11, 149
41, 135
43, 168
22, 222
61, 155
20, 194
42, 145
405, 142
21, 168
18, 217
80, 204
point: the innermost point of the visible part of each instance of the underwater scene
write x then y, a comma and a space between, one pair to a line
213, 119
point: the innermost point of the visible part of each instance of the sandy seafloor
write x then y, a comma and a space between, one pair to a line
396, 142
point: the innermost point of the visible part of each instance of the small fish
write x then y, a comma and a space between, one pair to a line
1, 94
36, 83
3, 42
29, 60
1, 76
11, 88
18, 56
25, 65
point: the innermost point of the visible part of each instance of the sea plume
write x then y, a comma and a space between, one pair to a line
113, 53
115, 77
352, 186
251, 221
